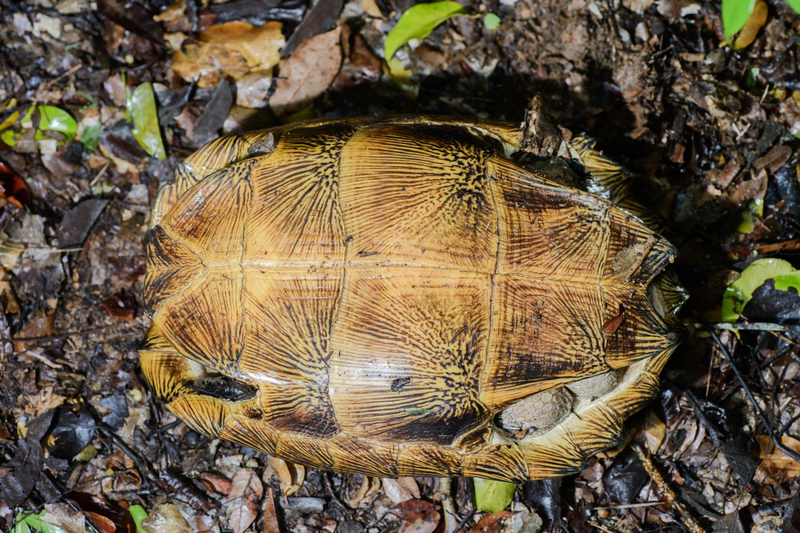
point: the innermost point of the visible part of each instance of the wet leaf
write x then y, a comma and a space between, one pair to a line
231, 49
71, 433
491, 21
142, 107
624, 478
754, 23
735, 14
545, 496
493, 496
740, 291
105, 515
52, 118
308, 73
418, 22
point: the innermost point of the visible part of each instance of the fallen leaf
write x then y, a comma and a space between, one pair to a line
214, 114
419, 516
418, 22
308, 73
401, 489
493, 496
215, 482
741, 291
231, 49
322, 17
166, 518
142, 107
654, 431
291, 475
774, 463
270, 515
754, 23
246, 492
492, 523
52, 118
133, 17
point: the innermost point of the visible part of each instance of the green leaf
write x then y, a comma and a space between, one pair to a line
10, 138
734, 14
53, 118
34, 520
418, 22
90, 137
142, 107
741, 291
21, 526
794, 4
493, 496
784, 282
755, 210
492, 21
138, 513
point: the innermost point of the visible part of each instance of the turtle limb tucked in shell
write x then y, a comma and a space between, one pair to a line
398, 297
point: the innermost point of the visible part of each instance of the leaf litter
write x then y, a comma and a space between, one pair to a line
710, 133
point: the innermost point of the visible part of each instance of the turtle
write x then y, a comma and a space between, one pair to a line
406, 296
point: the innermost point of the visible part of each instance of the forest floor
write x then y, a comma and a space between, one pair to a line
709, 132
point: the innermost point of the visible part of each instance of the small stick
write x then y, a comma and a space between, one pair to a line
776, 441
444, 493
666, 491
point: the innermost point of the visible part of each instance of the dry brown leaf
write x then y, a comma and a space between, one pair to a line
246, 492
215, 482
65, 517
419, 516
308, 72
400, 489
774, 463
492, 523
271, 523
291, 475
231, 49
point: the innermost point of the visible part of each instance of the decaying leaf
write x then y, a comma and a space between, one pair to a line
307, 73
246, 492
231, 49
166, 518
774, 463
13, 188
291, 475
270, 515
654, 430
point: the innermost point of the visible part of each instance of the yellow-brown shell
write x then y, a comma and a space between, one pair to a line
387, 287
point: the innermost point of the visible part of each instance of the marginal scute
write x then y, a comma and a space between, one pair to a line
211, 216
503, 462
360, 456
251, 433
202, 413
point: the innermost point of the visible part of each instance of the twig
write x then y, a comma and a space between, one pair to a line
749, 326
628, 506
666, 491
444, 493
777, 442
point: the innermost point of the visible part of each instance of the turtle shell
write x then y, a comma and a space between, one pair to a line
392, 296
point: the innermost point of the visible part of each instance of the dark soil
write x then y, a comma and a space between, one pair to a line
705, 129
